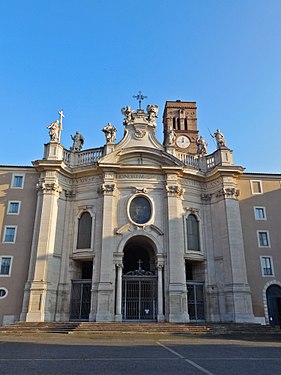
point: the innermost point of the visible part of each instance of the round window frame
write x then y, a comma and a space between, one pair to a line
6, 292
151, 209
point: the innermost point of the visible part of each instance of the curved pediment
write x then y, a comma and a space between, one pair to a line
140, 156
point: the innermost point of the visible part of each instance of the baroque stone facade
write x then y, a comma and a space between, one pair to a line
139, 230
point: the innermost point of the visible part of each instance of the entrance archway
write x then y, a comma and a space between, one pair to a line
139, 282
273, 297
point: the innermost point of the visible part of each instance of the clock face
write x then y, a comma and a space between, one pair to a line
182, 141
140, 210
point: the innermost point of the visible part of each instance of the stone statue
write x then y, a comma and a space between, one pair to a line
201, 146
171, 137
127, 112
110, 133
54, 131
152, 111
219, 138
78, 141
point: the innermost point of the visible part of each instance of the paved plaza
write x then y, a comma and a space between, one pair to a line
66, 354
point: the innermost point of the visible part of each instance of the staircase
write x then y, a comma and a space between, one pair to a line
93, 328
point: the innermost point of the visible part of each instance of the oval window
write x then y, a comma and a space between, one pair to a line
3, 293
140, 210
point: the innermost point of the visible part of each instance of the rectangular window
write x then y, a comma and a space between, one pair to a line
17, 181
9, 234
13, 208
5, 265
256, 187
260, 213
267, 266
263, 238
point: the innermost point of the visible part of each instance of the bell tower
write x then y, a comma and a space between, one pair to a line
182, 119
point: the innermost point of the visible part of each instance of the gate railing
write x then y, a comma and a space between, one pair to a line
139, 297
195, 298
80, 304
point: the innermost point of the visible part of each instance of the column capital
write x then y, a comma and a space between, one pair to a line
48, 187
174, 191
107, 189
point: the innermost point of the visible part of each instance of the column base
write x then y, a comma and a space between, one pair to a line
160, 318
118, 318
179, 318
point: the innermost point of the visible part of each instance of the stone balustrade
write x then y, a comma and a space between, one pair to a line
75, 159
204, 163
188, 160
91, 156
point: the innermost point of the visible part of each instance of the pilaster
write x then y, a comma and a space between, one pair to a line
236, 290
104, 288
177, 291
43, 286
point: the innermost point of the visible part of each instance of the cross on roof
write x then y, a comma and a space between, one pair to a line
140, 97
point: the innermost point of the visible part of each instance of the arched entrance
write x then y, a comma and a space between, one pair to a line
273, 297
139, 281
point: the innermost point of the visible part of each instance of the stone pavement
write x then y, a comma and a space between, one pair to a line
49, 354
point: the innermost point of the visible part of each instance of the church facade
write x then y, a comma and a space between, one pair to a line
137, 230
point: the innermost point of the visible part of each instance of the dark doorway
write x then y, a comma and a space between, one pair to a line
195, 290
81, 286
138, 249
273, 296
139, 289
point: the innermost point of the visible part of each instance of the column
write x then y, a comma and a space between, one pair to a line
160, 315
118, 306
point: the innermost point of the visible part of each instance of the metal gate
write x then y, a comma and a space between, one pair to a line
80, 300
139, 297
195, 297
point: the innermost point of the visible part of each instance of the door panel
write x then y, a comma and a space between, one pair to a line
80, 300
139, 298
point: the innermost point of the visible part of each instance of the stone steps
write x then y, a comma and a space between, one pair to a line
85, 328
147, 328
44, 327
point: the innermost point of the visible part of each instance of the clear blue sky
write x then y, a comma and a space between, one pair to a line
90, 57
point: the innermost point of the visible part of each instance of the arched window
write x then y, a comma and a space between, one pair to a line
84, 231
185, 124
193, 233
178, 124
174, 123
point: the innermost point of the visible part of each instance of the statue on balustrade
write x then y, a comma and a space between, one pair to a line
110, 133
171, 137
78, 141
54, 131
201, 146
219, 138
